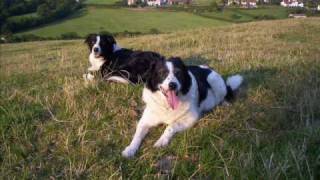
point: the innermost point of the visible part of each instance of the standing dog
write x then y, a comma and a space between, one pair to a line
116, 63
178, 95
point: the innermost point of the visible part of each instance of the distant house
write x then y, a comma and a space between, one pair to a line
243, 3
131, 2
156, 2
318, 7
160, 2
292, 3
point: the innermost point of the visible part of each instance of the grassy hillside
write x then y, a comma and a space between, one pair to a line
103, 2
236, 15
54, 125
118, 20
115, 20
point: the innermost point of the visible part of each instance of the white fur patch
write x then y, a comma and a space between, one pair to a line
170, 78
88, 77
97, 45
116, 48
96, 63
118, 79
234, 81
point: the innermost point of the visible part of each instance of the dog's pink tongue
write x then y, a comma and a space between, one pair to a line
172, 99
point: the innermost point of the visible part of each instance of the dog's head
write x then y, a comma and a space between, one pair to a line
100, 45
171, 78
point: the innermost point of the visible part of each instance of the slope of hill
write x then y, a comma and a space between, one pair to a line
54, 125
144, 20
94, 19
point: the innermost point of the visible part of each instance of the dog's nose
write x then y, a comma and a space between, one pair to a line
173, 86
95, 49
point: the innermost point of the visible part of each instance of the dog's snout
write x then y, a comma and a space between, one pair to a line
95, 49
173, 86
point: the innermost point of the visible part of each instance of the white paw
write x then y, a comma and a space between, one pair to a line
128, 152
88, 77
162, 142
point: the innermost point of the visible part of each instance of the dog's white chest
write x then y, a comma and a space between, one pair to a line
96, 63
162, 112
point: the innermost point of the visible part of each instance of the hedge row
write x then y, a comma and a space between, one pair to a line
69, 36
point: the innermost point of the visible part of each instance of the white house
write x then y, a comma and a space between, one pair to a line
244, 3
318, 7
156, 2
291, 3
160, 2
131, 2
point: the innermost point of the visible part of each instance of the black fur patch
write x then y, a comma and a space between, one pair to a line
156, 74
230, 94
181, 73
201, 75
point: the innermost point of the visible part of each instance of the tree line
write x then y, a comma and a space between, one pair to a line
45, 11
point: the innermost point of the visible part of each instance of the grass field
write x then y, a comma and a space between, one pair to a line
102, 2
16, 18
118, 20
96, 19
236, 15
54, 125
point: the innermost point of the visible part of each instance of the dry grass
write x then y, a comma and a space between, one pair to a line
53, 125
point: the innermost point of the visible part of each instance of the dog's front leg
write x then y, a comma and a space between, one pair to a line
88, 76
171, 130
141, 131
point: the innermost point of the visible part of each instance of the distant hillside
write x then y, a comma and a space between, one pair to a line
119, 20
150, 20
53, 125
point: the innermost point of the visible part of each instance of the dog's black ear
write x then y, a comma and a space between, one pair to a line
89, 38
155, 74
177, 61
108, 39
151, 77
181, 74
107, 42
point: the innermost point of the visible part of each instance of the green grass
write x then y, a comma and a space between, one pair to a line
102, 2
203, 2
54, 125
16, 18
245, 15
119, 20
115, 20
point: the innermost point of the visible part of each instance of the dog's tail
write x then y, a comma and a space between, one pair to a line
233, 83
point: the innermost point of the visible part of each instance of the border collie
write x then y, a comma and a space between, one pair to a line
115, 63
178, 95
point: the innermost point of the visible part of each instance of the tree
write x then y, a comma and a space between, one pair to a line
43, 10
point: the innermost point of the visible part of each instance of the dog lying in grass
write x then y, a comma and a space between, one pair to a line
115, 63
178, 95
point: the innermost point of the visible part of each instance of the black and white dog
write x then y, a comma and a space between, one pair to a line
115, 63
178, 95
